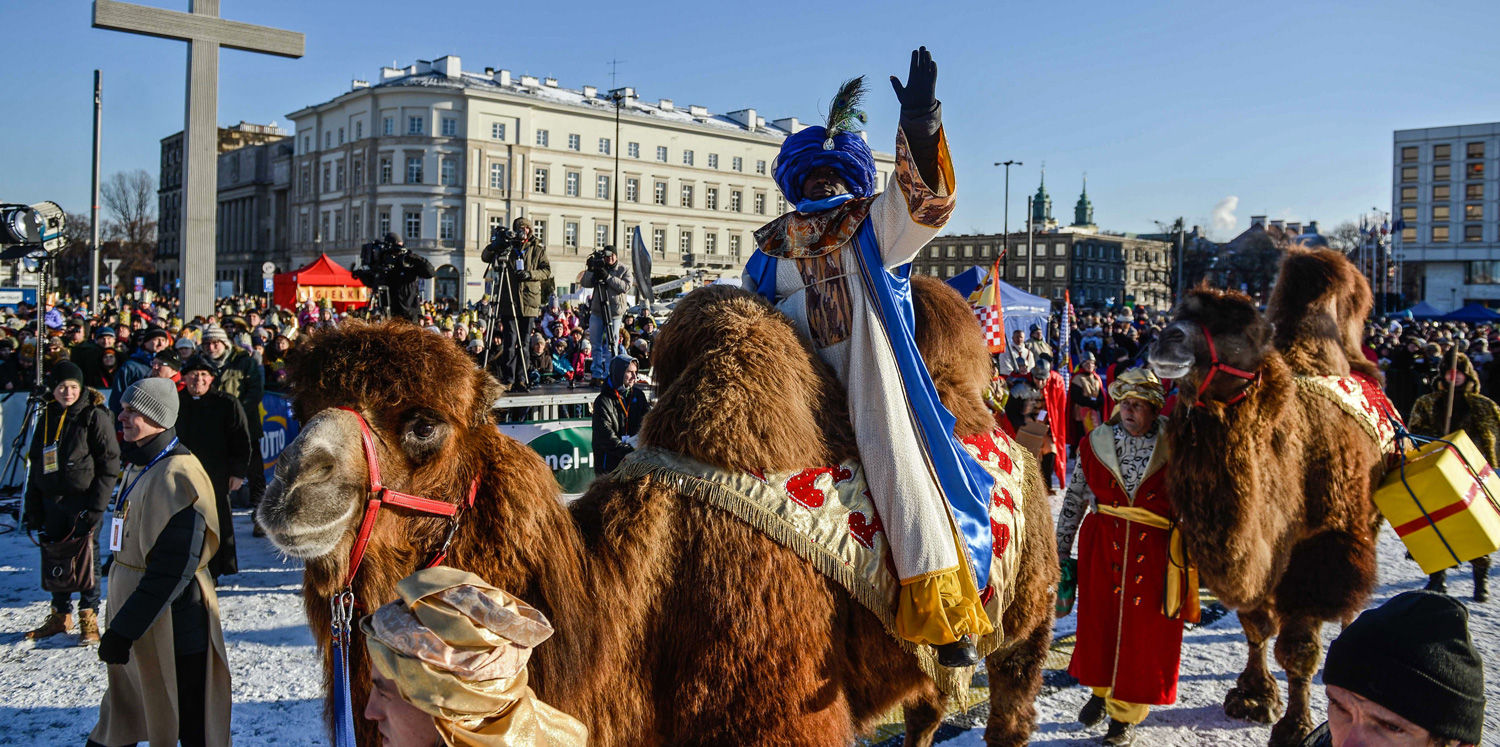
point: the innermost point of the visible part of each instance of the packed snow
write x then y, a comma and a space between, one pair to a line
50, 690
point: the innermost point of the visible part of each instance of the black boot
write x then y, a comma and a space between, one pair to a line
1120, 734
1482, 579
1438, 582
1092, 712
960, 653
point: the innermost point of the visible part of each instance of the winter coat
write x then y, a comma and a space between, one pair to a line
244, 379
135, 368
90, 358
88, 462
617, 414
528, 302
1473, 413
213, 428
613, 289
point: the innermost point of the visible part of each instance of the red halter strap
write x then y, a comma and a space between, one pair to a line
1216, 366
381, 495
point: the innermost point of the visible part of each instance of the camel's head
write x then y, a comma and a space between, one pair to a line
1240, 338
428, 408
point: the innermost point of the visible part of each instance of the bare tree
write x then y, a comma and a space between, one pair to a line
1346, 237
130, 231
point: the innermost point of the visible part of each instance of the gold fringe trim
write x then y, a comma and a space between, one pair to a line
952, 682
1312, 385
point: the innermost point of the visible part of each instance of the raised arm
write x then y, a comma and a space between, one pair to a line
907, 215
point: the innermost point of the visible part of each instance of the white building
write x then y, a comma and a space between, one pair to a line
441, 156
1444, 187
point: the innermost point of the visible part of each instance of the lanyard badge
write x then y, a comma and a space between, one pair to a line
122, 504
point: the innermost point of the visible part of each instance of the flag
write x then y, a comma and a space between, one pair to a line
640, 261
1400, 224
986, 305
1063, 343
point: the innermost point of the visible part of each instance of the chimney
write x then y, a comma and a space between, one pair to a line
760, 123
1278, 224
1294, 229
1312, 226
529, 81
790, 124
387, 73
1258, 220
590, 92
502, 77
422, 66
625, 92
359, 84
697, 111
550, 82
489, 71
665, 105
746, 118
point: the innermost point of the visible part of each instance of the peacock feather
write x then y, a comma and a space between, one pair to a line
844, 114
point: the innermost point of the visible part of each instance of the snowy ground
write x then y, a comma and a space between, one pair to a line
49, 692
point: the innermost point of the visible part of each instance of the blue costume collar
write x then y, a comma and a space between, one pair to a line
817, 206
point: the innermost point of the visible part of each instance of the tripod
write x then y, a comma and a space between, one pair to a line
504, 288
379, 306
19, 458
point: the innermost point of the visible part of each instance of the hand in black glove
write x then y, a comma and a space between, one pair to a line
84, 524
114, 648
919, 95
523, 276
34, 522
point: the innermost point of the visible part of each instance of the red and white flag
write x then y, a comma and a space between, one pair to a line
986, 304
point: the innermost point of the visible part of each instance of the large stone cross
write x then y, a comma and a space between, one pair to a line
204, 32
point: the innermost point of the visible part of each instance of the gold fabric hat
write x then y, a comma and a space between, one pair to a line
1138, 383
457, 649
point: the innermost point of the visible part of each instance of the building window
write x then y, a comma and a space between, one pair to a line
968, 251
570, 183
388, 126
448, 225
338, 176
327, 183
737, 163
1473, 212
1442, 152
1441, 191
1409, 213
413, 170
604, 145
1473, 191
570, 234
661, 153
780, 205
413, 125
305, 229
541, 138
448, 171
1020, 271
413, 225
1409, 233
760, 167
497, 131
496, 221
950, 252
341, 136
1408, 194
1474, 170
659, 240
1473, 233
734, 245
734, 200
633, 150
307, 143
575, 142
359, 130
659, 193
760, 204
1482, 273
601, 187
539, 181
327, 140
385, 171
601, 234
1440, 212
359, 172
1442, 173
1475, 150
950, 270
1439, 234
450, 127
356, 224
1408, 173
338, 225
687, 195
713, 160
497, 176
383, 223
711, 198
984, 251
632, 190
540, 227
1059, 270
710, 243
1409, 154
685, 242
933, 252
687, 158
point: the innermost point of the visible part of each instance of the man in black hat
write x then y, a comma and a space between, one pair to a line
1405, 674
212, 424
89, 355
138, 365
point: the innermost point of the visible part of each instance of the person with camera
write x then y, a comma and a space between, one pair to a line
521, 267
610, 280
399, 270
74, 460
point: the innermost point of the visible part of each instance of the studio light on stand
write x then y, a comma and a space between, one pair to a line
34, 235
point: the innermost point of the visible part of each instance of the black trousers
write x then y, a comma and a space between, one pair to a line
192, 726
513, 345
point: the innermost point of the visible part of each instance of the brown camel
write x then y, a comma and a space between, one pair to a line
676, 623
1272, 483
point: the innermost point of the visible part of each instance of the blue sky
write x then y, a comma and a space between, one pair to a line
1170, 107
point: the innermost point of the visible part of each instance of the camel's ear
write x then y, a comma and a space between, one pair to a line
484, 402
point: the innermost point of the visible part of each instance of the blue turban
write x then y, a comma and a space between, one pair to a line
803, 152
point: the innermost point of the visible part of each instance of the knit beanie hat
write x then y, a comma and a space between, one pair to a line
156, 398
1413, 655
65, 371
214, 332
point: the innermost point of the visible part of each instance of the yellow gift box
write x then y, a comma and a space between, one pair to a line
1443, 514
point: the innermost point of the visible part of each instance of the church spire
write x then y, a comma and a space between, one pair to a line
1083, 212
1041, 204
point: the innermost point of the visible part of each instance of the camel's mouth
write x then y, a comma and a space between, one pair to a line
1167, 368
1170, 357
297, 537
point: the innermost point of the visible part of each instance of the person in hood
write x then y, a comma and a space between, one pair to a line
618, 412
74, 461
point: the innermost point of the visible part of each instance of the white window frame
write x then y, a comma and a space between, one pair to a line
711, 198
448, 225
414, 125
685, 196
632, 190
713, 160
449, 127
604, 146
736, 201
685, 241
412, 225
661, 153
497, 130
570, 234
571, 182
737, 163
601, 235
448, 171
601, 186
542, 137
633, 150
539, 180
659, 193
497, 175
575, 142
687, 158
414, 166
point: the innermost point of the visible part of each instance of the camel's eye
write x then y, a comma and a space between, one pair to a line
423, 431
423, 435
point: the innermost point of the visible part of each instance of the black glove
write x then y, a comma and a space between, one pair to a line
85, 523
523, 276
919, 96
114, 648
34, 522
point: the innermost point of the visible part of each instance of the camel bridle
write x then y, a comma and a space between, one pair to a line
1216, 366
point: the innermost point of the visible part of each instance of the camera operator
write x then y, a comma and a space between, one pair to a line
610, 281
521, 266
399, 270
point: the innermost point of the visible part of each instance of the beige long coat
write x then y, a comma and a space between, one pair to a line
141, 702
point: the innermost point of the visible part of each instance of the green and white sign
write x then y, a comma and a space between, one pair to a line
565, 445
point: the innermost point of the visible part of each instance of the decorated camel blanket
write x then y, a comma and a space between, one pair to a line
827, 517
1362, 398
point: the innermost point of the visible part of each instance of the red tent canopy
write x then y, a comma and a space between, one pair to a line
318, 280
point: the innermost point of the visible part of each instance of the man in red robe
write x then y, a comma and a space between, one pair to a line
1135, 588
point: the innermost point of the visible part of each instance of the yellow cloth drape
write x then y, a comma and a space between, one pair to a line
941, 607
1119, 710
457, 649
1180, 599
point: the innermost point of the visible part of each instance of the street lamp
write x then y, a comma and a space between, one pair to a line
1007, 164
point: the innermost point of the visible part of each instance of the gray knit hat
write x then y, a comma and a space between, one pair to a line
155, 398
214, 332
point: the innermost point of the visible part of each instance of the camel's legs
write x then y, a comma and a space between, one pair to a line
1015, 679
923, 717
1255, 696
1298, 650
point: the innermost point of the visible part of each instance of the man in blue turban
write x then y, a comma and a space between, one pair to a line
838, 266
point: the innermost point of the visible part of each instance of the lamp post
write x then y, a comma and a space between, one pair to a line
1007, 165
618, 95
